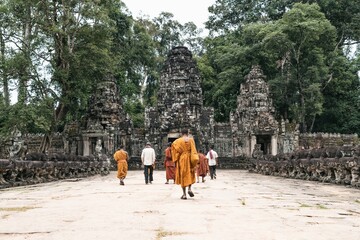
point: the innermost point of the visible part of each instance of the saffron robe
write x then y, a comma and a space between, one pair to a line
181, 150
203, 167
121, 158
169, 164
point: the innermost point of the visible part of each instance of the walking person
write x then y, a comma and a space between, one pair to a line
212, 156
148, 161
183, 150
202, 168
169, 164
121, 157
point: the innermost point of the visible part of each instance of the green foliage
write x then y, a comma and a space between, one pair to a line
341, 99
56, 53
137, 112
293, 53
31, 118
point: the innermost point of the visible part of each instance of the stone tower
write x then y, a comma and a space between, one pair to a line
179, 100
253, 121
106, 122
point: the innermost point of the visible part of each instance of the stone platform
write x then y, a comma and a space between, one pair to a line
237, 205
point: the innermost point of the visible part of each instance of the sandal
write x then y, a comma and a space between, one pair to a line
191, 194
183, 197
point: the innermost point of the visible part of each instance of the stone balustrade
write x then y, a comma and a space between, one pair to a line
338, 165
40, 168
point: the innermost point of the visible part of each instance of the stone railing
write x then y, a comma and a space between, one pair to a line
241, 162
332, 165
39, 168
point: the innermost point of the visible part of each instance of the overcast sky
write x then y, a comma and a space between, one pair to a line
195, 11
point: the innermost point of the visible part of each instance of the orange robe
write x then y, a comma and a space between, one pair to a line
181, 150
121, 158
203, 167
169, 164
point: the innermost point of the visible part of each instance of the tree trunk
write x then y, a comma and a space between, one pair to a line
4, 77
302, 114
312, 123
24, 73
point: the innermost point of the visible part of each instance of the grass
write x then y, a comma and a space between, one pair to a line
161, 234
16, 209
5, 216
304, 205
357, 200
320, 206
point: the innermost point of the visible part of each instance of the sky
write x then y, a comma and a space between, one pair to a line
195, 11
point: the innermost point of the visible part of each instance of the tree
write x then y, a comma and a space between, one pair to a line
295, 53
228, 16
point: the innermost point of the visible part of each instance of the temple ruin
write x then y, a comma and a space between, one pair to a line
252, 131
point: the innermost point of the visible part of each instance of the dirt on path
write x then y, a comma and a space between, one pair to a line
237, 205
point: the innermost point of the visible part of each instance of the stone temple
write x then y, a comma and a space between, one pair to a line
252, 125
180, 106
179, 101
253, 121
251, 139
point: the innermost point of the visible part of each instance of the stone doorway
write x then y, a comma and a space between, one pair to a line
265, 142
171, 137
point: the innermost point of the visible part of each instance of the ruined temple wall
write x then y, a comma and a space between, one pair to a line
288, 142
223, 144
321, 140
207, 128
33, 143
137, 141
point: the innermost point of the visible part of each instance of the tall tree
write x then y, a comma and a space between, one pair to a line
230, 15
295, 53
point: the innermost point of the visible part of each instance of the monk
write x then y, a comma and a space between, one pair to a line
169, 165
121, 157
202, 168
181, 151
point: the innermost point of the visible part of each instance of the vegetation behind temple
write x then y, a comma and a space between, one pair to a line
55, 52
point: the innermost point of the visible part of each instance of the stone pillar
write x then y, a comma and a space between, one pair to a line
105, 140
273, 145
86, 149
252, 144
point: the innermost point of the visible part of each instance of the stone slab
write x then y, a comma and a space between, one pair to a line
237, 205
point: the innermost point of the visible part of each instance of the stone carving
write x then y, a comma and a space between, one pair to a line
39, 167
254, 120
98, 147
18, 148
325, 165
258, 153
179, 102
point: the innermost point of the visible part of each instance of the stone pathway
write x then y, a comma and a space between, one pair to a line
238, 205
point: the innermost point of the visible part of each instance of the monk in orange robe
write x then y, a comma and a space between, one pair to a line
181, 151
121, 157
169, 165
202, 168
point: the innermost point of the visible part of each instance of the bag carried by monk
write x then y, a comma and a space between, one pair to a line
194, 159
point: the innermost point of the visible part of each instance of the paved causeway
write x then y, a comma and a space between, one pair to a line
238, 205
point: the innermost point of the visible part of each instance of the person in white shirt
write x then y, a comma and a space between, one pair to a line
212, 156
148, 160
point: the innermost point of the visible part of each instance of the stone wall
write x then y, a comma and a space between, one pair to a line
39, 168
223, 140
33, 142
318, 140
339, 165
